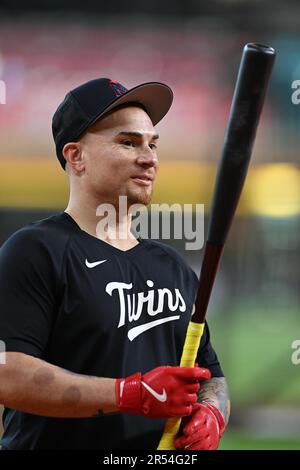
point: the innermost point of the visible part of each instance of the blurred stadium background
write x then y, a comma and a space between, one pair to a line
195, 47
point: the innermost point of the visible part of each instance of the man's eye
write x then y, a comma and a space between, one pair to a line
128, 143
153, 146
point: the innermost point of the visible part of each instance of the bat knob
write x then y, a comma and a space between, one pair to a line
255, 47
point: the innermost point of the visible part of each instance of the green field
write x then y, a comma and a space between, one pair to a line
254, 348
236, 441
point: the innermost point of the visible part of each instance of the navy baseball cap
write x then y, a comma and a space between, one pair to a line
88, 102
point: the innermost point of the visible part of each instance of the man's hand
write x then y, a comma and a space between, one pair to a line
202, 430
163, 392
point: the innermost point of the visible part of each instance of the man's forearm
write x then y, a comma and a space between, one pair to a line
37, 387
215, 391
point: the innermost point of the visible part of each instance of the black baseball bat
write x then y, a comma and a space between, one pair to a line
248, 99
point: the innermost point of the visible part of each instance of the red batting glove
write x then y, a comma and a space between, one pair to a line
202, 429
162, 392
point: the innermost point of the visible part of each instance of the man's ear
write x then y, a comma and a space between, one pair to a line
74, 156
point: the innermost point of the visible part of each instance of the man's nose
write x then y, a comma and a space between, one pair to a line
147, 157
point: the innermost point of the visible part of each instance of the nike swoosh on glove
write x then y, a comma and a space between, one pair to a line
162, 392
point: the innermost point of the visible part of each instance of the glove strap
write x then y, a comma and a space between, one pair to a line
218, 416
128, 393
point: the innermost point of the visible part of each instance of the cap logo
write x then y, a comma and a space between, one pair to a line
117, 88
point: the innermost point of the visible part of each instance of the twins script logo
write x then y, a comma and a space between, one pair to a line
131, 305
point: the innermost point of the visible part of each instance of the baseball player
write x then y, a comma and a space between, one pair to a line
94, 323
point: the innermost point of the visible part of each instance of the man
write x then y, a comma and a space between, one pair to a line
94, 323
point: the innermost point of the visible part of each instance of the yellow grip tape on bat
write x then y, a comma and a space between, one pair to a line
188, 358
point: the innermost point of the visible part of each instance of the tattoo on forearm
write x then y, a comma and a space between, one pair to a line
215, 391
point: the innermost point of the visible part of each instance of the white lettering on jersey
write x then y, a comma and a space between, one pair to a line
131, 305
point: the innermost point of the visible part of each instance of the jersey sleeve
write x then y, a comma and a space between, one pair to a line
27, 293
207, 357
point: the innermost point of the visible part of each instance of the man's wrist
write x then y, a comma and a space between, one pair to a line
130, 387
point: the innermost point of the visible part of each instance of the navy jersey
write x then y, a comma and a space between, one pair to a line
79, 303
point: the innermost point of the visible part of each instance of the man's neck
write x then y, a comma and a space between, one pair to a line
115, 231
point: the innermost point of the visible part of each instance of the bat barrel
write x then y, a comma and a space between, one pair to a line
251, 86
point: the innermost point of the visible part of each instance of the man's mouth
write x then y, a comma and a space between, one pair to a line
143, 180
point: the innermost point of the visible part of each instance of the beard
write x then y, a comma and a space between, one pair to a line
141, 195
